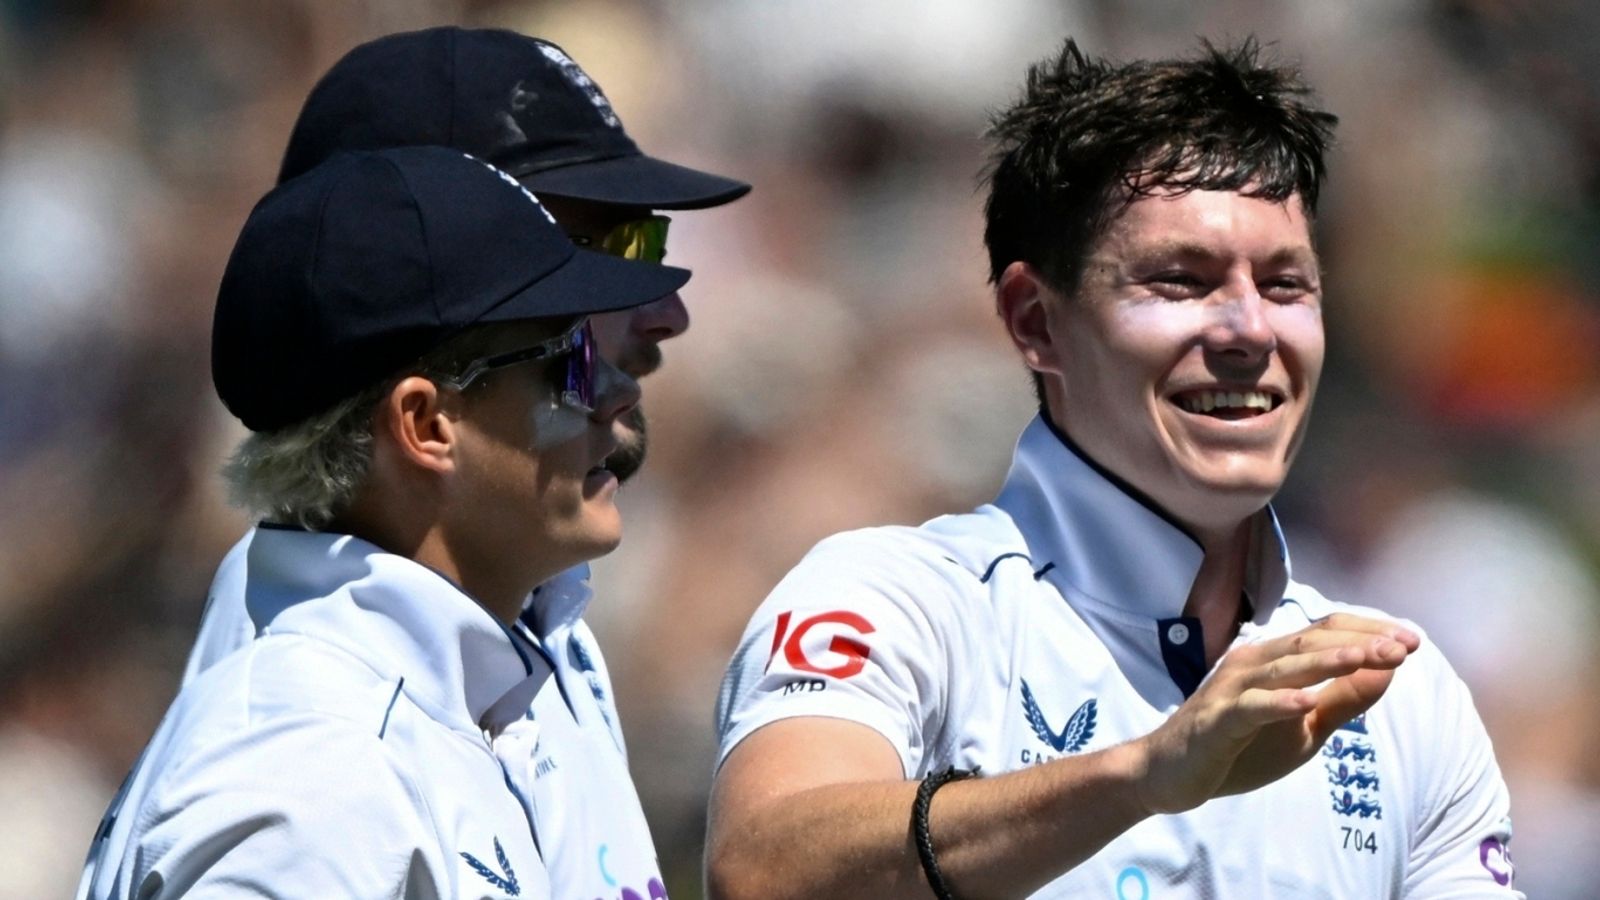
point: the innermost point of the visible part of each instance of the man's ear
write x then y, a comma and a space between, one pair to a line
420, 423
1023, 300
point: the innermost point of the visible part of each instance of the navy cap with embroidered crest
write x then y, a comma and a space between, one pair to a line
519, 102
348, 274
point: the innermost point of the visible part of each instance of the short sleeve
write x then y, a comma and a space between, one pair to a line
1461, 846
299, 811
862, 629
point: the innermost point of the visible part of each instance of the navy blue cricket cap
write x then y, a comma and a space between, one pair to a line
350, 273
516, 101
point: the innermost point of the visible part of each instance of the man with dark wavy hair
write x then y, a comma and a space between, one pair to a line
1115, 646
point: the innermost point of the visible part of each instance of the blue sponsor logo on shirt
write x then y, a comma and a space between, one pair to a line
1072, 736
655, 890
506, 882
1132, 884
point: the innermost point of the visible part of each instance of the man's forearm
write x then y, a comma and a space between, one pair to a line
804, 807
1004, 836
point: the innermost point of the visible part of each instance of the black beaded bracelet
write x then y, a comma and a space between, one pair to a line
919, 826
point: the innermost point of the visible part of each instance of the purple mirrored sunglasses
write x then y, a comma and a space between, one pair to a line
577, 381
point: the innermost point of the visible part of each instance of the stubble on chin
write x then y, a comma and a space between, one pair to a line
632, 434
633, 440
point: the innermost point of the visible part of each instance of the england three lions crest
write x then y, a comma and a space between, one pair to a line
1352, 767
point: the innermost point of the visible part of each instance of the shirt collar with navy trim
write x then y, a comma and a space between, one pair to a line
557, 605
459, 663
1110, 544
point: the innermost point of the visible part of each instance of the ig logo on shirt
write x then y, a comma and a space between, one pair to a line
801, 650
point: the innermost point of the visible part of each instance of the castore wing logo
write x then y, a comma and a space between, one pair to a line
506, 882
1073, 736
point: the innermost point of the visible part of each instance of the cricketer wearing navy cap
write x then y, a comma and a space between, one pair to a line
364, 264
404, 331
523, 104
517, 101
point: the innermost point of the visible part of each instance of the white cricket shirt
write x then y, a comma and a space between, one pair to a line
225, 624
585, 808
349, 751
565, 756
1051, 623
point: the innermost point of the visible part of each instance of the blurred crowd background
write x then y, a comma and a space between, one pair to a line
844, 367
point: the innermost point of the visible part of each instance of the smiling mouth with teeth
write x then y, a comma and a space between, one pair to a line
1227, 404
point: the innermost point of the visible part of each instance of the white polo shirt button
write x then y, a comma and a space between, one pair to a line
1178, 633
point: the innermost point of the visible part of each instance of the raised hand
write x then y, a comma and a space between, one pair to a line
1267, 708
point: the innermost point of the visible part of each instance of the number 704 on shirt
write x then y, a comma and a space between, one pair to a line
1356, 840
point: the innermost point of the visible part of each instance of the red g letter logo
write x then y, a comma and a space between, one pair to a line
854, 652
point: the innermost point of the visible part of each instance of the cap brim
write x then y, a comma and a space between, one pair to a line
588, 283
636, 181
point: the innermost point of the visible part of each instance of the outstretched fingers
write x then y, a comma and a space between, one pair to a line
1328, 649
1268, 706
1349, 622
1324, 662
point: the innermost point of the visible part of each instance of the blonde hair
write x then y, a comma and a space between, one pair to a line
307, 473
